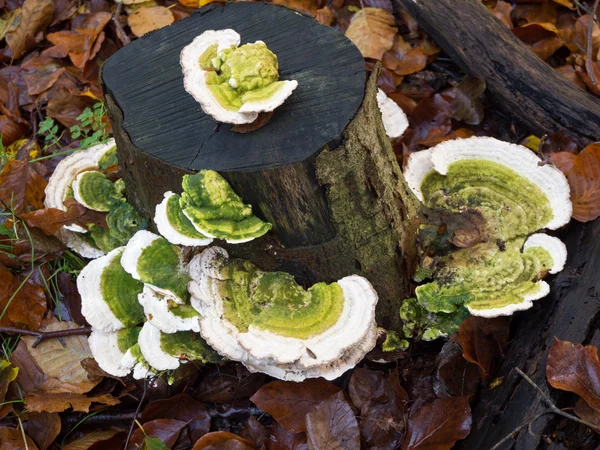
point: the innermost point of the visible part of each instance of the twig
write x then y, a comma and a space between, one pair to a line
553, 409
43, 335
121, 34
135, 416
588, 59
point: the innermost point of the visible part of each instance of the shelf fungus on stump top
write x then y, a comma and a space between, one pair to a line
233, 83
272, 325
512, 195
208, 208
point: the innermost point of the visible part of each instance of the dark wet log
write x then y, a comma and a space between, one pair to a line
519, 82
322, 170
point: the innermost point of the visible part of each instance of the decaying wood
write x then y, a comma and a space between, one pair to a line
518, 81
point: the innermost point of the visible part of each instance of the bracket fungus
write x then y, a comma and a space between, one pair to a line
96, 192
109, 294
165, 351
208, 208
272, 325
166, 314
514, 195
233, 83
394, 118
152, 260
111, 350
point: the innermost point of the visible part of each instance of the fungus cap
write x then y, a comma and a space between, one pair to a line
320, 338
96, 192
109, 349
109, 294
556, 248
166, 314
174, 226
152, 351
394, 119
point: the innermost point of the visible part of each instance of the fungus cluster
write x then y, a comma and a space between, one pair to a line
394, 118
83, 176
233, 83
512, 195
272, 325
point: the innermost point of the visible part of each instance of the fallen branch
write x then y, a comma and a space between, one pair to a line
43, 335
553, 409
588, 59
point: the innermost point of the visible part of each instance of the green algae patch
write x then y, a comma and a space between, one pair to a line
94, 191
120, 291
178, 220
108, 159
214, 209
187, 345
127, 338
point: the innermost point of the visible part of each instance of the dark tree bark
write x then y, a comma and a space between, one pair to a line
528, 88
517, 80
322, 170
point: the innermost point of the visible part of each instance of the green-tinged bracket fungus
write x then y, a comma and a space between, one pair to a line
272, 325
393, 117
233, 83
514, 195
112, 351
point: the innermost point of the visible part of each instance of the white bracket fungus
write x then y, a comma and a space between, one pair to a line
394, 119
110, 349
233, 83
272, 325
166, 314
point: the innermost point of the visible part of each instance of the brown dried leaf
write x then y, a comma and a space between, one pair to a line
165, 430
583, 173
21, 187
36, 15
255, 432
228, 382
222, 440
145, 20
587, 413
41, 73
372, 30
50, 220
306, 6
289, 402
438, 425
12, 439
11, 130
325, 16
331, 425
467, 105
430, 122
456, 377
502, 11
280, 439
262, 119
482, 341
90, 439
575, 368
179, 407
43, 428
59, 402
22, 299
541, 37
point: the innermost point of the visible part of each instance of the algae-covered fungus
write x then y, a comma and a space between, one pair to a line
152, 260
110, 349
515, 195
109, 295
394, 119
208, 208
166, 314
233, 83
271, 324
165, 351
96, 192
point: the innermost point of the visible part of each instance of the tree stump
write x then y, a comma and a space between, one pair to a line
322, 170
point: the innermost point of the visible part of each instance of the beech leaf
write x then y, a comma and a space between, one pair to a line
583, 173
50, 220
372, 30
438, 425
60, 401
280, 439
289, 402
36, 15
166, 431
12, 439
22, 299
575, 368
145, 20
255, 432
88, 441
222, 440
21, 187
43, 428
331, 425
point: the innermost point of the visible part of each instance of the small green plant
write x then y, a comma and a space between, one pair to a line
92, 128
49, 129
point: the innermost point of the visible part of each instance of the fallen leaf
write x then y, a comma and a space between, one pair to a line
587, 413
36, 15
255, 432
372, 30
96, 440
438, 425
165, 430
228, 382
583, 173
466, 104
59, 402
280, 439
222, 440
575, 368
288, 402
22, 299
145, 20
11, 130
381, 400
43, 428
306, 6
502, 11
9, 22
541, 37
325, 16
331, 425
569, 72
262, 119
456, 377
41, 73
65, 106
12, 439
535, 13
567, 3
430, 122
54, 365
21, 187
482, 341
50, 220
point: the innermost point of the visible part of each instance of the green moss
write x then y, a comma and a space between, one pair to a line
109, 159
275, 302
187, 345
127, 338
120, 292
393, 342
241, 74
124, 221
159, 265
213, 206
183, 311
420, 323
98, 192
